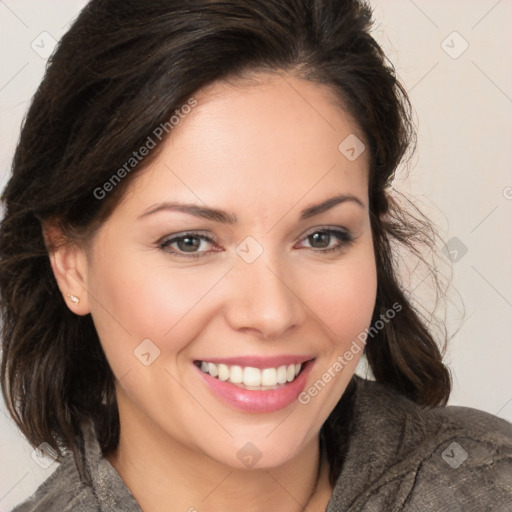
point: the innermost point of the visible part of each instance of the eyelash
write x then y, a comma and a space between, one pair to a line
165, 243
345, 237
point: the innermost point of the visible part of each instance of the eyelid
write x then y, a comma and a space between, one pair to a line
184, 234
345, 238
167, 240
344, 235
315, 229
328, 229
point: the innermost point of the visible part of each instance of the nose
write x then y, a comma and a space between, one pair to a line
263, 301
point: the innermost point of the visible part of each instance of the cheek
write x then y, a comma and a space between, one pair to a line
134, 301
344, 296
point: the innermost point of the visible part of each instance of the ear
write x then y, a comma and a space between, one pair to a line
69, 265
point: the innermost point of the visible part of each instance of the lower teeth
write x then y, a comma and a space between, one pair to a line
258, 388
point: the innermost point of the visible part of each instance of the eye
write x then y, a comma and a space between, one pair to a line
328, 239
188, 245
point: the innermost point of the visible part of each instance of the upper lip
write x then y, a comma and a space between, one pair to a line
258, 361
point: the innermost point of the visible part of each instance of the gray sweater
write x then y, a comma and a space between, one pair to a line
399, 457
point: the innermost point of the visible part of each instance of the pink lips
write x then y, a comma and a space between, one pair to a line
258, 401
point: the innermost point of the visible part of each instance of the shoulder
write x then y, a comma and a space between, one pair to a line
470, 461
97, 487
392, 412
454, 458
62, 491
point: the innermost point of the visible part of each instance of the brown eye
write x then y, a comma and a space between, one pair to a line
327, 240
188, 244
319, 240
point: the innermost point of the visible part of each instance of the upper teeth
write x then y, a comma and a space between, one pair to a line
252, 377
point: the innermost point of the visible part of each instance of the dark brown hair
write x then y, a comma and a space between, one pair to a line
119, 72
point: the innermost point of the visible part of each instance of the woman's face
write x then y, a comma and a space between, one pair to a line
244, 249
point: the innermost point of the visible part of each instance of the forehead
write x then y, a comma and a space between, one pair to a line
276, 139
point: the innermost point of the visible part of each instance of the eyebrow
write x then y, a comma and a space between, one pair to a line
224, 217
202, 212
310, 211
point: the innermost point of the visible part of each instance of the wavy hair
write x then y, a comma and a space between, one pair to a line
122, 69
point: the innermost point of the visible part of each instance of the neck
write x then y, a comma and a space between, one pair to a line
185, 479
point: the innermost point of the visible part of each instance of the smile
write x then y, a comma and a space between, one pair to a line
256, 385
250, 377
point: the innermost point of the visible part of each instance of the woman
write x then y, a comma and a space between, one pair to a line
198, 246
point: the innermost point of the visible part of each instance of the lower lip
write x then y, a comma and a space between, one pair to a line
258, 401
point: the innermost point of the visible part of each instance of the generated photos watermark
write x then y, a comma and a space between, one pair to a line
342, 360
156, 136
454, 455
44, 455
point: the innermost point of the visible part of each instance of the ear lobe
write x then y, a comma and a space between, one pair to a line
69, 265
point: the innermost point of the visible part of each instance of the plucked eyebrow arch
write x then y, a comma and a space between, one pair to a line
322, 207
224, 217
196, 210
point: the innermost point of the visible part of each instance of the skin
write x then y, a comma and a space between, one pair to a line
263, 152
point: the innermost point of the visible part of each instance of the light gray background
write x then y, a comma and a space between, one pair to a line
460, 175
